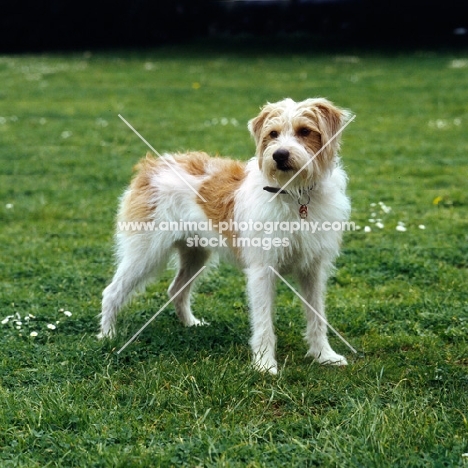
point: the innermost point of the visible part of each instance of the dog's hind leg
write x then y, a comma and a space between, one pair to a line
139, 262
191, 260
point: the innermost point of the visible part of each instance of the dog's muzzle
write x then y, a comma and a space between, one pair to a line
281, 157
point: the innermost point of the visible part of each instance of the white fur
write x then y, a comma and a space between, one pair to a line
308, 257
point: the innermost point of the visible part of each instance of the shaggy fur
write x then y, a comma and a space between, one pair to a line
289, 138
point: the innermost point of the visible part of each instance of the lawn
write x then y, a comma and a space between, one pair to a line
189, 397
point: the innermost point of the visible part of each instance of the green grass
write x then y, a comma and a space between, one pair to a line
188, 397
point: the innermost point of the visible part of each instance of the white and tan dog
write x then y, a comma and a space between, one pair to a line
297, 144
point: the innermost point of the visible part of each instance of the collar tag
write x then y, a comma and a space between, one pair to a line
303, 210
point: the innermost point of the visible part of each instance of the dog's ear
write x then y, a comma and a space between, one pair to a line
331, 120
255, 127
256, 124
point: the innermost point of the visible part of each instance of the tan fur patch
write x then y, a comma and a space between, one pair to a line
136, 204
194, 162
329, 119
332, 117
257, 130
324, 121
223, 178
312, 141
218, 190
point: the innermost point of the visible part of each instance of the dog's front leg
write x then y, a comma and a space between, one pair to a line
313, 285
261, 288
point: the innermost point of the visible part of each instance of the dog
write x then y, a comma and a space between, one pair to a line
295, 175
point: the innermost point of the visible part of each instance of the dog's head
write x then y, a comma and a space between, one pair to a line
298, 140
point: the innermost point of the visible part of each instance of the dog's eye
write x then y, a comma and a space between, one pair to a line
274, 134
303, 132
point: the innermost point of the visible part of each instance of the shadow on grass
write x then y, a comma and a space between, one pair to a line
168, 337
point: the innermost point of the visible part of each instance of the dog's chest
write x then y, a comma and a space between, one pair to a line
277, 235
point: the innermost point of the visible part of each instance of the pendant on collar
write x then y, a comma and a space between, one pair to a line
303, 208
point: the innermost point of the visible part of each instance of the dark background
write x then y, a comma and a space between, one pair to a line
31, 26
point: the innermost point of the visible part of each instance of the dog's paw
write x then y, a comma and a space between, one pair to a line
266, 365
194, 322
328, 357
270, 368
335, 360
105, 334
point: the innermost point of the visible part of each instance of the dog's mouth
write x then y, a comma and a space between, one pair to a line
283, 166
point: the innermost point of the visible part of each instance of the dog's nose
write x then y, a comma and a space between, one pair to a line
281, 155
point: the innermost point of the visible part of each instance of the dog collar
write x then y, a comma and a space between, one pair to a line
275, 190
303, 207
280, 190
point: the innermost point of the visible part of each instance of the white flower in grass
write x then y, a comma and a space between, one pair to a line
67, 313
33, 333
379, 225
66, 134
6, 319
102, 122
9, 206
50, 326
386, 209
367, 229
223, 121
439, 124
401, 228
